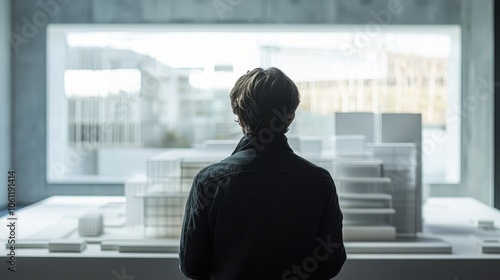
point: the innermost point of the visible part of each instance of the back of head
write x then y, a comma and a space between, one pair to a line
265, 99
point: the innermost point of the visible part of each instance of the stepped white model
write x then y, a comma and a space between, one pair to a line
379, 183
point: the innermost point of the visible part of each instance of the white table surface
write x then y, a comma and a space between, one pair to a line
451, 219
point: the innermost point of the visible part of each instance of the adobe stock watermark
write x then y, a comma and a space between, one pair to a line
222, 7
266, 135
73, 157
150, 77
482, 92
263, 137
221, 180
121, 276
148, 88
309, 265
32, 26
364, 36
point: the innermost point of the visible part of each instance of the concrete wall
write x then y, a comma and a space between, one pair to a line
29, 65
477, 100
477, 104
5, 93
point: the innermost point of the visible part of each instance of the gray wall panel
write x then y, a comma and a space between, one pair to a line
477, 104
5, 93
477, 101
29, 105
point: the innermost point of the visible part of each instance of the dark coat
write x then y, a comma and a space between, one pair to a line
262, 213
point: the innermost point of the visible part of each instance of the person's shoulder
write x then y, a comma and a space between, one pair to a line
217, 171
312, 168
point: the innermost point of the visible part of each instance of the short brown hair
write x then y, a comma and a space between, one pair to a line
265, 99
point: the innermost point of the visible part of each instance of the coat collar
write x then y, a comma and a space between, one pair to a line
268, 143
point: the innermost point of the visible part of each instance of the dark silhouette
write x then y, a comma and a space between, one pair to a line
263, 212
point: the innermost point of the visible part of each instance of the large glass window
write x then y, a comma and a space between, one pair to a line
120, 95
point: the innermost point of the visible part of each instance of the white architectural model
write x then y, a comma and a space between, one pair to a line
379, 183
91, 224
